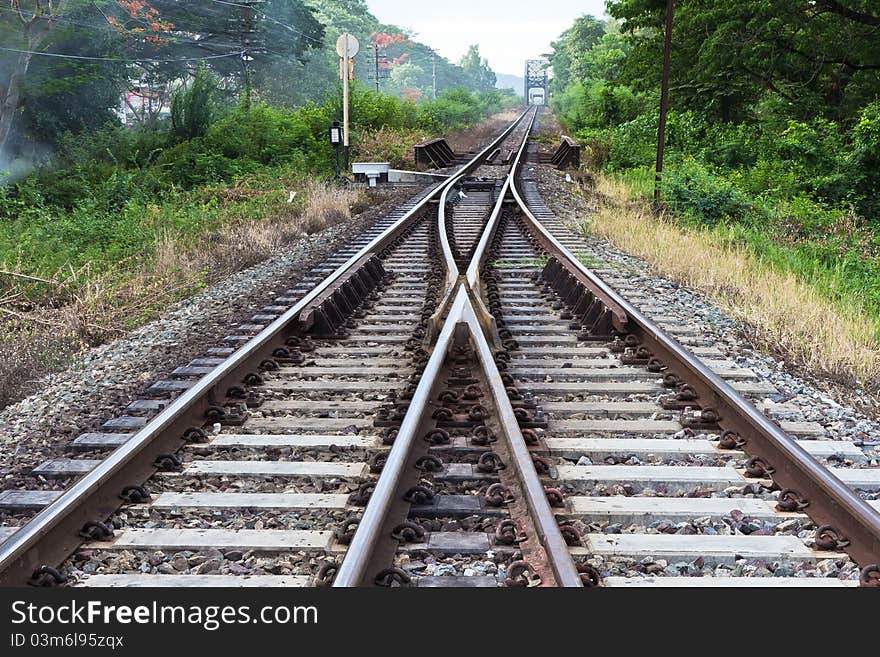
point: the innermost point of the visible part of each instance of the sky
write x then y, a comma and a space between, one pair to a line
508, 33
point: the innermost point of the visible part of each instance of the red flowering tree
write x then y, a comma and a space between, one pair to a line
141, 21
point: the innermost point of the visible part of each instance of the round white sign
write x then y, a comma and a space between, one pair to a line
353, 45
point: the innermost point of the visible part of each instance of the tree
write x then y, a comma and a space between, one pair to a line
477, 69
36, 19
62, 95
571, 49
820, 56
192, 109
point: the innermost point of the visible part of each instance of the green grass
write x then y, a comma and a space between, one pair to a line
640, 181
821, 258
849, 281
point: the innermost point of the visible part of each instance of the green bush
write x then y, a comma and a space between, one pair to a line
691, 188
453, 109
864, 162
193, 109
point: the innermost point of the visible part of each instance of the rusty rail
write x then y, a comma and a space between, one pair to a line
356, 566
846, 522
465, 311
55, 531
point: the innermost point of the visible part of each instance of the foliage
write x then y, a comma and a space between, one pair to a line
773, 137
477, 70
192, 109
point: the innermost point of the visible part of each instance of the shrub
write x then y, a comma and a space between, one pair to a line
192, 109
864, 163
692, 188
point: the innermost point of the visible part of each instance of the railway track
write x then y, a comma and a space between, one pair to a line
454, 400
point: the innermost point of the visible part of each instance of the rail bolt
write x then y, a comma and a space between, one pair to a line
571, 535
391, 576
215, 414
590, 577
870, 576
520, 573
506, 533
345, 532
555, 497
478, 413
829, 539
472, 393
758, 467
377, 462
482, 435
687, 393
530, 437
326, 573
408, 532
135, 494
46, 576
418, 495
96, 531
437, 437
489, 463
195, 435
497, 495
790, 501
731, 440
167, 463
541, 464
363, 494
655, 366
429, 463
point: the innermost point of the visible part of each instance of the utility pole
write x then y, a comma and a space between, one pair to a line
246, 46
664, 101
376, 53
434, 73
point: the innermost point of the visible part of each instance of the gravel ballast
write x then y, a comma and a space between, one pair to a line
104, 380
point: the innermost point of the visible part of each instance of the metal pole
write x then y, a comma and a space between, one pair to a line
434, 73
664, 100
376, 48
345, 112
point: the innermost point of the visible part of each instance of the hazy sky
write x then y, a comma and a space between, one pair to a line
508, 32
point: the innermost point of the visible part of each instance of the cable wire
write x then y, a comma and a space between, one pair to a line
121, 60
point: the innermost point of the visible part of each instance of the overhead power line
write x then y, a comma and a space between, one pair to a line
122, 60
270, 19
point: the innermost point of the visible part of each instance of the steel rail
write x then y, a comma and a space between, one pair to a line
354, 564
473, 271
453, 275
352, 571
452, 272
55, 528
465, 308
542, 514
831, 502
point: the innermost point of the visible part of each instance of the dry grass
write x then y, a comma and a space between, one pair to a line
785, 316
28, 354
241, 243
390, 145
44, 321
